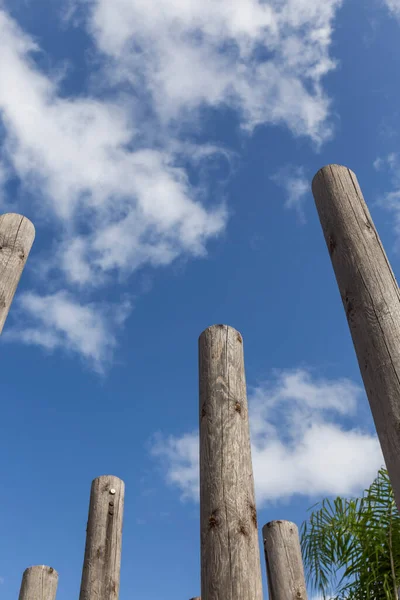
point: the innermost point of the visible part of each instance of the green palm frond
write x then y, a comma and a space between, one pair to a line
351, 547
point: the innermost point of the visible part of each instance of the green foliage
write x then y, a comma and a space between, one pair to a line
351, 547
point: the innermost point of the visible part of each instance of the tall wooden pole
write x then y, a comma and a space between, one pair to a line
283, 560
39, 583
371, 300
230, 557
16, 238
102, 563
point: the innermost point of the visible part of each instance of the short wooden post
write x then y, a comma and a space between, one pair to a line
39, 583
371, 300
102, 563
16, 238
230, 557
283, 561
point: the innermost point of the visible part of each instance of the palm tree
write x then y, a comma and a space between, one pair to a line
351, 547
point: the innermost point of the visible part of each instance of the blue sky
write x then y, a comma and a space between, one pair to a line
165, 156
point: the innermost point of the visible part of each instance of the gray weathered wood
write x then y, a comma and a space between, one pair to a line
16, 238
371, 300
197, 598
230, 557
39, 583
285, 573
102, 563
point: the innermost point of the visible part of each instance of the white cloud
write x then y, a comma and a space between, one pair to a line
115, 202
59, 321
391, 200
137, 204
181, 455
298, 443
111, 176
393, 6
386, 162
264, 59
296, 186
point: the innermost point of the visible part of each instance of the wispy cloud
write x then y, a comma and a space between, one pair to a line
265, 60
88, 168
295, 185
299, 444
180, 455
59, 321
109, 169
386, 162
137, 204
393, 6
391, 200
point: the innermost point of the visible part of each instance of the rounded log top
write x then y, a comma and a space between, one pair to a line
42, 568
114, 477
16, 216
278, 522
219, 327
329, 168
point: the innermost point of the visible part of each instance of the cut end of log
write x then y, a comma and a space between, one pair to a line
39, 581
38, 568
17, 234
109, 480
328, 170
220, 327
278, 523
28, 225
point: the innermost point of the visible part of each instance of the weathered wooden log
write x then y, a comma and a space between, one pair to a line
230, 558
371, 301
17, 234
102, 562
285, 572
39, 583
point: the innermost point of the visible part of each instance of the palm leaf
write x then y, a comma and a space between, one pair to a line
351, 547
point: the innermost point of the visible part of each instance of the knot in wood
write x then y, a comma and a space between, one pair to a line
331, 244
212, 521
348, 306
253, 515
243, 529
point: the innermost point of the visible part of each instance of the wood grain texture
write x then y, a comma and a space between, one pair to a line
371, 301
285, 572
39, 583
230, 557
102, 563
16, 238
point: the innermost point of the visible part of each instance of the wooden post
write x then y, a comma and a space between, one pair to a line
283, 560
230, 557
102, 563
371, 300
39, 583
16, 238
